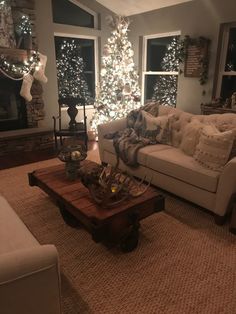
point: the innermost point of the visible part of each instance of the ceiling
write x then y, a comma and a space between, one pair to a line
131, 7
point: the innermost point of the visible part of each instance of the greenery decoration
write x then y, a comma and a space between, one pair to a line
19, 69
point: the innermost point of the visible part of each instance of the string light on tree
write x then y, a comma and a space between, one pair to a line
119, 91
165, 89
70, 71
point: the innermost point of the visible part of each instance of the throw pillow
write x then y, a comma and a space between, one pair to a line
191, 135
227, 127
155, 128
214, 147
152, 107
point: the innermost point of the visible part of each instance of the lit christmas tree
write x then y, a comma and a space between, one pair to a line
165, 89
70, 72
119, 90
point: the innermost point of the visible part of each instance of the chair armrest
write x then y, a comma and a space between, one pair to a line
30, 281
226, 187
111, 127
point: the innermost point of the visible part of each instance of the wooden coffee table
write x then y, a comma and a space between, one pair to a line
116, 225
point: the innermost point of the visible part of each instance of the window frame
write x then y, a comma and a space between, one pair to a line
95, 15
85, 8
224, 40
95, 38
144, 59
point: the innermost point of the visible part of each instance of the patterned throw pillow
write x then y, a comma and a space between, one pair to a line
214, 147
191, 135
152, 107
155, 128
134, 119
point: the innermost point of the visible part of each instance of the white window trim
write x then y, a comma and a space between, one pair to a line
223, 56
83, 7
144, 58
95, 38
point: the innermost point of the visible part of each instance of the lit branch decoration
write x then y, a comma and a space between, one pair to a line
24, 26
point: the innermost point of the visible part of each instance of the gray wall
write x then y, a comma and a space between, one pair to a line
195, 18
45, 29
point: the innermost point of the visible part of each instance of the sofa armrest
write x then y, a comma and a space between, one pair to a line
30, 281
226, 187
111, 127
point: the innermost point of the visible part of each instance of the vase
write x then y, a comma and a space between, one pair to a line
71, 168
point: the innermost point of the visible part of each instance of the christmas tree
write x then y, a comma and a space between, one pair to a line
165, 89
70, 71
119, 90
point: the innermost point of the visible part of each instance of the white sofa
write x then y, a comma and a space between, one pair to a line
174, 171
29, 273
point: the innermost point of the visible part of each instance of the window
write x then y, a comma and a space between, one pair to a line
71, 12
161, 67
226, 79
85, 61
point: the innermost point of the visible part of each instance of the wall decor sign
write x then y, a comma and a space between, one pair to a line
196, 58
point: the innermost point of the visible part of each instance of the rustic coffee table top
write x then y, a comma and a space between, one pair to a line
75, 198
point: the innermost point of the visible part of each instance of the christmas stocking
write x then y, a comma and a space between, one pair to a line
39, 70
26, 86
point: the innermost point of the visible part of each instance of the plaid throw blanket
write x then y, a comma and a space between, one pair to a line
128, 141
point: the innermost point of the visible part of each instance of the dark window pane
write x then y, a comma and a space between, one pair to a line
86, 52
162, 88
65, 12
162, 54
231, 51
228, 86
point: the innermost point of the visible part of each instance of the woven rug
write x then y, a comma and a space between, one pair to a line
184, 262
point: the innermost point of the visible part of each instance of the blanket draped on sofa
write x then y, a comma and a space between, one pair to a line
128, 142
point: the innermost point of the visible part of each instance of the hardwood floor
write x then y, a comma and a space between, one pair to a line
22, 158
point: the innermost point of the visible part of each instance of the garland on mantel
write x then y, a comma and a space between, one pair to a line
16, 71
199, 42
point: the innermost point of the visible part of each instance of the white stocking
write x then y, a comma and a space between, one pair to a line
26, 87
39, 71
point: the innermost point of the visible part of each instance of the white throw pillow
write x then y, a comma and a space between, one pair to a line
191, 135
214, 147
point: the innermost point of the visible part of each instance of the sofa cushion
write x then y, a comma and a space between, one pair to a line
191, 135
175, 163
145, 151
14, 234
214, 147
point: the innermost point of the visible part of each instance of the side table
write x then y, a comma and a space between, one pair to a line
211, 109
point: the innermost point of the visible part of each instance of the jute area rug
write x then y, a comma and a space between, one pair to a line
184, 262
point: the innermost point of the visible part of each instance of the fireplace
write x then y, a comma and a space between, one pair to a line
13, 113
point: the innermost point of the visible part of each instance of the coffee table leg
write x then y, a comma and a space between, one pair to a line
129, 241
69, 219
